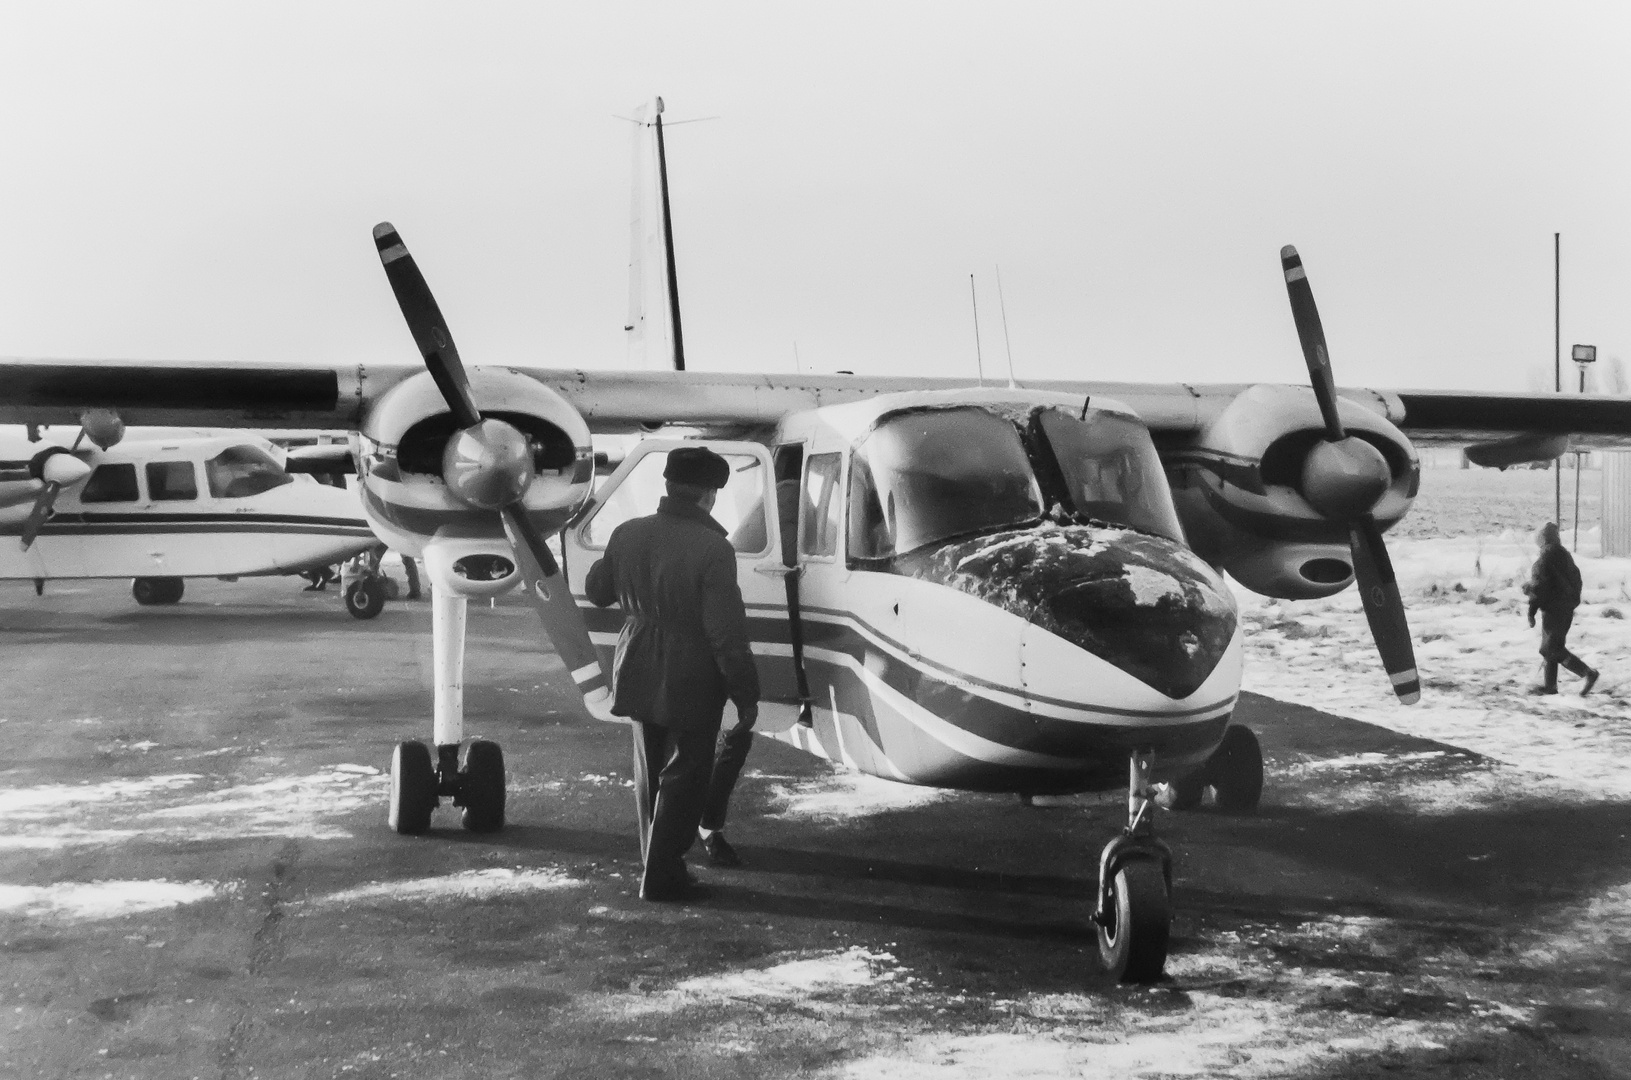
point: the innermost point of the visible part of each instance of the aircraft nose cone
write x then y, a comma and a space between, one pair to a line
1157, 619
1143, 603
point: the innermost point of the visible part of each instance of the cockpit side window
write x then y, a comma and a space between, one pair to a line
1107, 469
240, 471
171, 480
110, 483
819, 506
927, 475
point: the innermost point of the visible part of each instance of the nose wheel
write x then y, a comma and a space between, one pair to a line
418, 786
1134, 912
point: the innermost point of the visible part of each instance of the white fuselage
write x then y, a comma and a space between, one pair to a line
178, 508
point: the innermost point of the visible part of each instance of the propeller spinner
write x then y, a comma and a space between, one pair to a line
488, 464
57, 469
1342, 478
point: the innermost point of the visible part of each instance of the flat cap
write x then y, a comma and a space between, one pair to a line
697, 466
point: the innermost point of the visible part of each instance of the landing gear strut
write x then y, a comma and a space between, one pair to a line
418, 786
1134, 913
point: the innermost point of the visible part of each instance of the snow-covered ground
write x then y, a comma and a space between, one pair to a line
1477, 655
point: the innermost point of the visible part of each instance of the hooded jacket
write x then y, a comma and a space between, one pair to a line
1554, 581
684, 650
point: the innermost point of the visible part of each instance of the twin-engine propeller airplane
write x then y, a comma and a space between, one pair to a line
163, 507
1015, 589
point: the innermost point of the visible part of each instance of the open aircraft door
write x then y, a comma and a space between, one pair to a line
746, 508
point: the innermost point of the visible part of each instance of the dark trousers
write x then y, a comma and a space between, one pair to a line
1554, 633
412, 573
728, 761
672, 769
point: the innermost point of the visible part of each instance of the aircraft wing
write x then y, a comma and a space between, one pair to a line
157, 393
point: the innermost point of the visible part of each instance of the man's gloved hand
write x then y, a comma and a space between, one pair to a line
746, 716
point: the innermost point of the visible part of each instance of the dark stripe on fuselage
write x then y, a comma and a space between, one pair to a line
73, 524
952, 697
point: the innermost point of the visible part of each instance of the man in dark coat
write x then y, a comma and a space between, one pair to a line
1554, 590
684, 651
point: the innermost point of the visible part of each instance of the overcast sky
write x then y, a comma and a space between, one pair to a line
199, 181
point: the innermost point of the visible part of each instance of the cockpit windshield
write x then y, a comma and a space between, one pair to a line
240, 471
930, 474
1110, 470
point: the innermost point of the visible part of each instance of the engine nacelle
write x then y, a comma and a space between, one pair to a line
1239, 491
409, 504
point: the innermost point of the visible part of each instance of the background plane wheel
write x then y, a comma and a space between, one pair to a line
1133, 944
1185, 793
365, 599
482, 790
157, 590
413, 788
1236, 771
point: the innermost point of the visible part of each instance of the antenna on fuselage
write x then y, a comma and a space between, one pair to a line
979, 361
1002, 305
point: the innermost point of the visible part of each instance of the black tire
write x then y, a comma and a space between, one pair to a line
1133, 944
482, 790
413, 788
157, 590
1236, 771
1186, 792
365, 599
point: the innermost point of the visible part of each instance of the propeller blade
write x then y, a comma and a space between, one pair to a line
425, 321
1379, 591
546, 587
41, 511
1312, 336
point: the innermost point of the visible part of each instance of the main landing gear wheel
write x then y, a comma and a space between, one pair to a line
365, 599
481, 791
1134, 911
413, 788
1235, 771
157, 590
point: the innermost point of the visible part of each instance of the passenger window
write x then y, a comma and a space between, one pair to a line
818, 510
110, 483
240, 471
167, 480
739, 506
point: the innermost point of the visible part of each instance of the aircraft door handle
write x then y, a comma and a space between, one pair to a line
775, 569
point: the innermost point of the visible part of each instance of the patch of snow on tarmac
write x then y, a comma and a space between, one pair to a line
172, 809
90, 900
465, 885
1477, 656
849, 794
1214, 1036
853, 967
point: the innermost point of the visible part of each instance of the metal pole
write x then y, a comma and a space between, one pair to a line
1557, 356
979, 361
668, 249
1577, 462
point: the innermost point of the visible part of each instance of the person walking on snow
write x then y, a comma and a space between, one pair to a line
1553, 589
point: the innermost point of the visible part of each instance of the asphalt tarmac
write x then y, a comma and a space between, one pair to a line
196, 880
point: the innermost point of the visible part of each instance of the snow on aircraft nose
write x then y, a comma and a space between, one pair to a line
1142, 603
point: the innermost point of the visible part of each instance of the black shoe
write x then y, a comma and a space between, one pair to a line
414, 595
312, 588
1591, 681
720, 852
